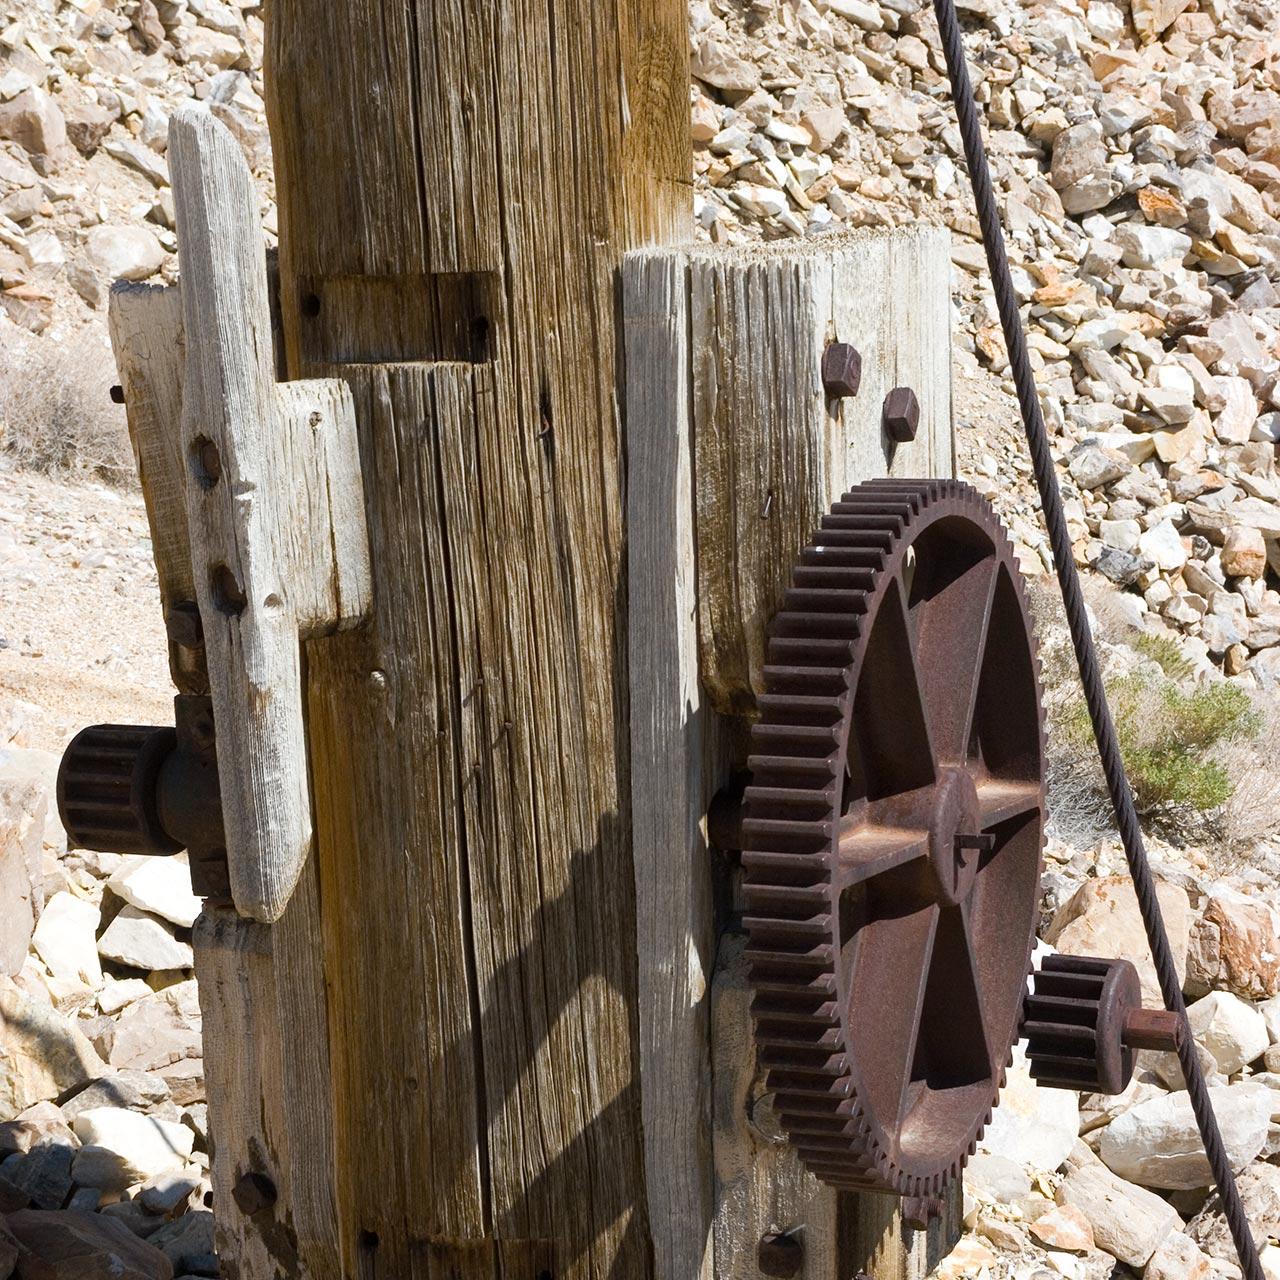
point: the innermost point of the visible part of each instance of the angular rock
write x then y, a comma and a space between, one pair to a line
1078, 153
1034, 1127
43, 1174
1158, 1144
1163, 545
188, 1241
1179, 1258
64, 939
1092, 467
134, 1090
715, 63
997, 1178
87, 124
1102, 919
156, 1031
1259, 1188
168, 1191
1230, 1028
124, 253
33, 121
1129, 1222
84, 1246
43, 1123
42, 1055
1148, 246
1235, 947
1244, 553
142, 941
122, 1147
1064, 1228
160, 886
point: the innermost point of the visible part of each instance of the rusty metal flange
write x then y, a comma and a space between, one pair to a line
892, 835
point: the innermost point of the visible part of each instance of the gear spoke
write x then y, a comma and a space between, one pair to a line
895, 951
868, 851
890, 749
950, 603
1002, 802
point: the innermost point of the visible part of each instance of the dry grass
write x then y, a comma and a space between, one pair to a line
56, 413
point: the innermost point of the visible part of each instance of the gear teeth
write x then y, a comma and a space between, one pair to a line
798, 747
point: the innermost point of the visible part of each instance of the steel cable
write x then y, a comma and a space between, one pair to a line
1081, 635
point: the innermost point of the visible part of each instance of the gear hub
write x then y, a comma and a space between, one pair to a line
891, 835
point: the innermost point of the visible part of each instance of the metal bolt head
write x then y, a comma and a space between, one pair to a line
901, 414
841, 370
117, 394
254, 1193
780, 1254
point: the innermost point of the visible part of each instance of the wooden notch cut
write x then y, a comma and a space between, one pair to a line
275, 514
445, 316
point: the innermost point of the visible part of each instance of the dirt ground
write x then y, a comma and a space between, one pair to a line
81, 635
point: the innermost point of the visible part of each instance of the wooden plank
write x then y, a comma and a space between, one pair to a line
273, 509
879, 1244
146, 334
761, 1188
771, 451
262, 993
470, 748
674, 927
724, 352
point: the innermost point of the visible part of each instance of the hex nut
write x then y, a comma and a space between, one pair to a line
841, 370
901, 414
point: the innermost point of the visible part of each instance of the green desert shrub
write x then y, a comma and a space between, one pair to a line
1170, 737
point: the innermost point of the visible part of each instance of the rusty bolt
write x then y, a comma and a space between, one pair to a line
841, 370
919, 1211
901, 414
184, 626
780, 1254
254, 1193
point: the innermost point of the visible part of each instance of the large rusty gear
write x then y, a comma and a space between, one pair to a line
892, 835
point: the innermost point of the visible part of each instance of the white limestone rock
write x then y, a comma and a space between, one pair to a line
142, 941
1230, 1028
1157, 1143
160, 886
122, 1147
64, 939
1033, 1127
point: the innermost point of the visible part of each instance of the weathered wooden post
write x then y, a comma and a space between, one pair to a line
482, 1012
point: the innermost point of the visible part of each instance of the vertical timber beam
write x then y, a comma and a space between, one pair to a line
734, 451
458, 182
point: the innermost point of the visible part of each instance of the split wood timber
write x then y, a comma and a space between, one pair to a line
438, 1054
733, 454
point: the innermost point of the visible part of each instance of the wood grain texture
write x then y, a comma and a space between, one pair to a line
145, 323
262, 991
274, 506
674, 926
771, 450
457, 185
734, 453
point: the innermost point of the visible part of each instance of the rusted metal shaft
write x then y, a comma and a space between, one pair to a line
1154, 1029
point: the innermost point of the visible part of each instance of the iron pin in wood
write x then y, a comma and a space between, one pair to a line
901, 415
841, 370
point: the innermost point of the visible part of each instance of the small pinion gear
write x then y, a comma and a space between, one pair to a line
892, 835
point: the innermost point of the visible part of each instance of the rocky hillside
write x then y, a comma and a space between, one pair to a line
1136, 147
